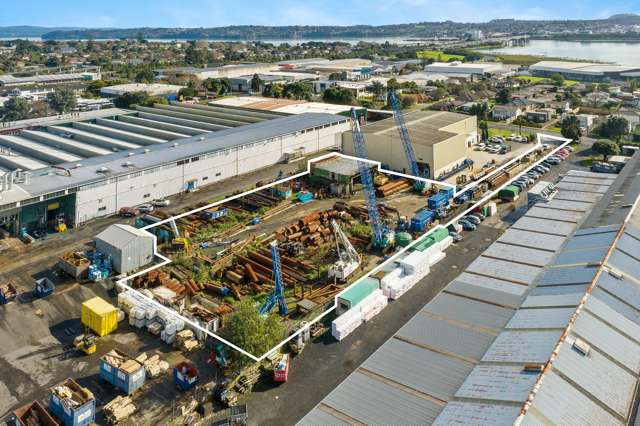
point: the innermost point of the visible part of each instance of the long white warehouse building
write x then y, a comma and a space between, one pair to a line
101, 185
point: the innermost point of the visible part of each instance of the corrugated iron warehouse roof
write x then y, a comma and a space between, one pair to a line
543, 328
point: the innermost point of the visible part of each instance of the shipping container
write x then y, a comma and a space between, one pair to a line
23, 415
72, 404
74, 264
448, 191
122, 371
214, 213
356, 293
99, 315
439, 234
421, 220
437, 201
424, 243
510, 193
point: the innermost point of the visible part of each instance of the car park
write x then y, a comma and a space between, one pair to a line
145, 208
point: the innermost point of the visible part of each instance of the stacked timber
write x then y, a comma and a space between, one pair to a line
393, 187
119, 409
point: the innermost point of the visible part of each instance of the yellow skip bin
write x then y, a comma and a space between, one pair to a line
99, 315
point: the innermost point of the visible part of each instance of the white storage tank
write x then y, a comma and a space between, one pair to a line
129, 248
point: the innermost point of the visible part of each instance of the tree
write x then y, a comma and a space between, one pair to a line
187, 92
614, 128
298, 90
255, 334
338, 76
62, 100
273, 90
480, 110
194, 56
407, 101
503, 96
15, 109
338, 95
484, 130
132, 98
558, 79
570, 127
377, 88
633, 85
256, 83
606, 148
145, 75
219, 86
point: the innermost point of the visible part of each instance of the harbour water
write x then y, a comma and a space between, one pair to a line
624, 53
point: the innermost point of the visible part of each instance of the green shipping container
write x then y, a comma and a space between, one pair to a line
440, 234
424, 243
509, 193
356, 294
403, 239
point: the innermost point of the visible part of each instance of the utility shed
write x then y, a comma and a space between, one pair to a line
129, 248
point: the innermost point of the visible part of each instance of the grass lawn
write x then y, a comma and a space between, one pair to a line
437, 55
536, 80
506, 133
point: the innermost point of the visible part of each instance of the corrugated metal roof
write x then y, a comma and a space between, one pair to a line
566, 205
629, 245
532, 239
598, 229
489, 293
590, 240
522, 346
587, 180
551, 227
585, 256
554, 214
469, 311
594, 175
119, 235
632, 230
317, 417
477, 414
498, 383
447, 337
568, 275
491, 283
525, 255
502, 269
625, 263
559, 290
600, 189
562, 404
624, 289
608, 340
596, 375
608, 314
383, 404
426, 371
552, 300
540, 318
620, 306
584, 197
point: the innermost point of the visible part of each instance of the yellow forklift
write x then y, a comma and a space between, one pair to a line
86, 343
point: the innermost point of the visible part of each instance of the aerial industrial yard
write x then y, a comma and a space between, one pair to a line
208, 264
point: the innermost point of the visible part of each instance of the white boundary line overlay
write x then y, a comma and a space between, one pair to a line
165, 260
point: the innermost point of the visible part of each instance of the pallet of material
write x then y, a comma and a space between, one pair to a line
119, 409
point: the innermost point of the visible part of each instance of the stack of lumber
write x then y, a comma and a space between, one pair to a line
393, 187
153, 365
119, 409
186, 341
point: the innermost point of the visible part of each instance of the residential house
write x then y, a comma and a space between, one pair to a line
508, 112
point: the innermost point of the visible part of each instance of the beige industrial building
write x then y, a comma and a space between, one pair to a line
440, 141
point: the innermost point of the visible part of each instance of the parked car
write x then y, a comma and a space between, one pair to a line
472, 219
456, 237
161, 202
533, 175
479, 215
546, 164
467, 226
479, 147
127, 212
569, 148
542, 169
519, 184
145, 208
554, 160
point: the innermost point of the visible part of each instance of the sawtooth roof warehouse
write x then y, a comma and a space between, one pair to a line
153, 167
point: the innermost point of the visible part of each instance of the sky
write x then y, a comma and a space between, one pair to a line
215, 13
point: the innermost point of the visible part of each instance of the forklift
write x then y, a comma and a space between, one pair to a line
86, 343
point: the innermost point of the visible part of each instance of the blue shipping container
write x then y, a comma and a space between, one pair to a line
420, 221
448, 191
437, 201
216, 214
127, 382
81, 415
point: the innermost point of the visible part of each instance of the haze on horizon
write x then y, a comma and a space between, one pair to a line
215, 13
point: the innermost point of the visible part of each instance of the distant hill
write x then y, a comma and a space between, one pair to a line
254, 32
625, 19
29, 31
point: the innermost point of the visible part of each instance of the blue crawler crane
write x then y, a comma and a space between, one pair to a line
406, 142
277, 296
379, 232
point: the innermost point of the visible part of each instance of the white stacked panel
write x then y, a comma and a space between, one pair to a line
342, 326
445, 243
